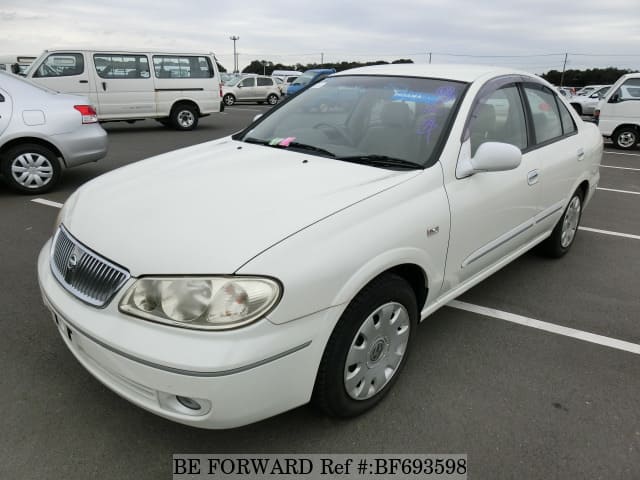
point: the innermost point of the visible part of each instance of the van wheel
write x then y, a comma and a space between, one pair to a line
184, 117
31, 168
625, 138
367, 349
272, 99
229, 99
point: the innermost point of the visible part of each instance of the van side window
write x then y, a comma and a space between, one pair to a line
61, 65
174, 66
121, 66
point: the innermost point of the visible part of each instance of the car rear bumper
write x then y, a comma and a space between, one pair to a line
86, 144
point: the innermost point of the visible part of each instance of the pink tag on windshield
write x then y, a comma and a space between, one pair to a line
286, 141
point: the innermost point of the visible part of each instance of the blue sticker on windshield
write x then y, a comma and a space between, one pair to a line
417, 97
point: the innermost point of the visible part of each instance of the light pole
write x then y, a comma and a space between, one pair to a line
235, 38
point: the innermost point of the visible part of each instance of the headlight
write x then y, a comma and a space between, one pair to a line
203, 303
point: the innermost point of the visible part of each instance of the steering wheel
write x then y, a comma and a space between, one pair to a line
333, 132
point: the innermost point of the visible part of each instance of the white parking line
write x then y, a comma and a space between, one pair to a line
236, 109
548, 327
48, 203
623, 153
618, 191
621, 168
608, 232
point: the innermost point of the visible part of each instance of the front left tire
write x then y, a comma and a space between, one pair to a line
31, 168
367, 349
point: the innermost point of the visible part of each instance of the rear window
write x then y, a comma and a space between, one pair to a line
182, 66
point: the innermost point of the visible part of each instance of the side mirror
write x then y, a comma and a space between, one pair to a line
239, 86
490, 157
615, 98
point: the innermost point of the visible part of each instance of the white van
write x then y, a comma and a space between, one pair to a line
174, 88
618, 113
17, 64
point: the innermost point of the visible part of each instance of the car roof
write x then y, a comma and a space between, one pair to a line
449, 71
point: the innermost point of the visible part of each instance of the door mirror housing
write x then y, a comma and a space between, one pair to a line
615, 98
490, 157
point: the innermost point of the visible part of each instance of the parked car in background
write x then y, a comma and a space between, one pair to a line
43, 132
16, 64
174, 88
254, 88
586, 90
307, 78
618, 113
304, 250
586, 104
287, 77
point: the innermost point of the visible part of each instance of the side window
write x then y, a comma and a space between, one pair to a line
629, 90
122, 66
61, 65
173, 66
291, 79
248, 82
568, 125
499, 118
265, 82
544, 110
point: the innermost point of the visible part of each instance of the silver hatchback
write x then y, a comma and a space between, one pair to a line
254, 88
42, 132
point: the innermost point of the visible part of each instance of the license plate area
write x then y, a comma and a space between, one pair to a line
63, 327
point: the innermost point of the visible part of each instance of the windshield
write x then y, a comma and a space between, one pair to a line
364, 116
304, 78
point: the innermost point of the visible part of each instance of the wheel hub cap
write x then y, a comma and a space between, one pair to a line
570, 222
185, 118
376, 351
31, 170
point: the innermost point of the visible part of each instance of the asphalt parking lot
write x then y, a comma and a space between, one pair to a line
542, 382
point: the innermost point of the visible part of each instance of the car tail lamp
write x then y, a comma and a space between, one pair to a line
88, 113
596, 116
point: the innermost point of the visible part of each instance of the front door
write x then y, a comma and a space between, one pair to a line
247, 89
66, 72
492, 212
124, 84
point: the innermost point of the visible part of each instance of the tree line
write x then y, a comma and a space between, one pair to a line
264, 67
590, 76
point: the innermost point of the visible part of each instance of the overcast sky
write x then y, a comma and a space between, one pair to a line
290, 31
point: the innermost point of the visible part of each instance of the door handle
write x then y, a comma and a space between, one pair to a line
580, 154
83, 81
104, 86
532, 177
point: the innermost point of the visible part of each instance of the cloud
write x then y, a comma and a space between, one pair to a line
289, 31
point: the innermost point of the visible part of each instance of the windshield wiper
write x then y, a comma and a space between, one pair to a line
294, 145
382, 161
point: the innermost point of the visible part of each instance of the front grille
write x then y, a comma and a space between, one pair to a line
84, 273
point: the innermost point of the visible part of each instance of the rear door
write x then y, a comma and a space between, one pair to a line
124, 84
558, 147
65, 72
6, 106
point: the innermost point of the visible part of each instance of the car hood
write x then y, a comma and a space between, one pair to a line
211, 208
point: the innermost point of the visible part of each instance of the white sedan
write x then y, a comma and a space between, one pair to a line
227, 282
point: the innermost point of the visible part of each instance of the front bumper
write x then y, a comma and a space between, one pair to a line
238, 376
